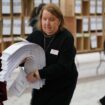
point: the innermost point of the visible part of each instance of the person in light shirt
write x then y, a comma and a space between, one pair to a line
60, 72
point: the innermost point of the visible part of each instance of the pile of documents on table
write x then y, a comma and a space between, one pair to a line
13, 56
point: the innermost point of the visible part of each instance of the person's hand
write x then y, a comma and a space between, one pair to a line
33, 76
25, 60
36, 74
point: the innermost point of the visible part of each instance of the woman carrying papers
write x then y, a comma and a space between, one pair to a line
60, 72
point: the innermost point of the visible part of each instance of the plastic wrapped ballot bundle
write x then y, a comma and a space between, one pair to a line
13, 56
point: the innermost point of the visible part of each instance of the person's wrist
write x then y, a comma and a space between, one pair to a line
36, 74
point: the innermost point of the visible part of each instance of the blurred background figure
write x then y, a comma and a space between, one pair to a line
34, 15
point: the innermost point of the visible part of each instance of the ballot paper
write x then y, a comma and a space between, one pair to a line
20, 84
13, 56
78, 6
17, 6
17, 26
93, 6
6, 26
55, 2
37, 2
6, 9
46, 1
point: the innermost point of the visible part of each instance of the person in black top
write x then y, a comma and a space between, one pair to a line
60, 72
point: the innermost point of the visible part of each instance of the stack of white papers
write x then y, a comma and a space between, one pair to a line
93, 41
6, 9
78, 6
99, 6
6, 26
17, 6
17, 26
99, 23
93, 6
93, 23
13, 56
85, 24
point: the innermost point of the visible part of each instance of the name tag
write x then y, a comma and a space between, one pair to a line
53, 51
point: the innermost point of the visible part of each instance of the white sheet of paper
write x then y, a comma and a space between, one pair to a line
93, 41
93, 23
17, 26
6, 7
17, 7
85, 24
78, 5
93, 6
99, 23
6, 26
99, 6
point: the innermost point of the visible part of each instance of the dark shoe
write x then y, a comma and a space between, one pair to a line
102, 100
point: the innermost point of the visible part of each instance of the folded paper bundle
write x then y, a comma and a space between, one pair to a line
13, 56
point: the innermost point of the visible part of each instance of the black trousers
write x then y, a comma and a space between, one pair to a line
45, 97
